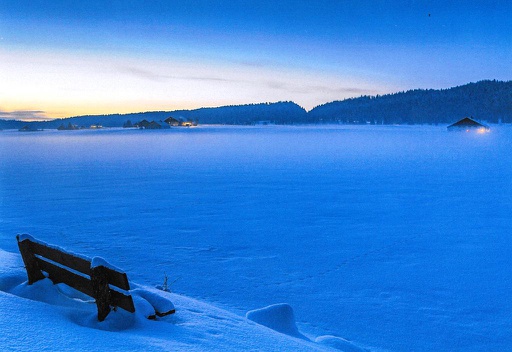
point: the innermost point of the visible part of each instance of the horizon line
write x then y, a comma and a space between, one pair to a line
40, 117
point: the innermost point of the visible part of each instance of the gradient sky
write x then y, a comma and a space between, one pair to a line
65, 58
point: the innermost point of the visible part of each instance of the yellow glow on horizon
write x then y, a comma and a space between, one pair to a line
63, 84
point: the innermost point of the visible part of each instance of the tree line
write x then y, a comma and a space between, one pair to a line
488, 101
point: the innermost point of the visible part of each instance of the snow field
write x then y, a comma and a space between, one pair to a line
393, 237
47, 317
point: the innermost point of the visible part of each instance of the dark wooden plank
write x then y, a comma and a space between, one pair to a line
33, 271
82, 265
117, 279
122, 301
61, 275
160, 314
101, 291
63, 258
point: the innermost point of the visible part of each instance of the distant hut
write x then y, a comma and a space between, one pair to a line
154, 125
142, 124
146, 125
171, 121
467, 124
69, 127
28, 128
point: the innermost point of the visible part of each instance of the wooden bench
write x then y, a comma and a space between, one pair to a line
95, 277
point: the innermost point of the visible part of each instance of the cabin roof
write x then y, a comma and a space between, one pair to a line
170, 119
467, 122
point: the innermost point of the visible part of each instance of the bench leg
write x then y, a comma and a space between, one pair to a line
101, 291
33, 272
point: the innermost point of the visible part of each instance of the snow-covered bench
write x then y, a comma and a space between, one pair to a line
95, 278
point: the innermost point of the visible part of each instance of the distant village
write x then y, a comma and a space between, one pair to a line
167, 123
465, 124
142, 125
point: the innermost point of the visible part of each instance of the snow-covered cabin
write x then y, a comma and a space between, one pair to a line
69, 127
467, 124
146, 125
171, 121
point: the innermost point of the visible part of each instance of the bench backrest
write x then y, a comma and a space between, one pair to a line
102, 282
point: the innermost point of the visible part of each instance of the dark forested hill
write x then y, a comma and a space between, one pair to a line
279, 113
489, 101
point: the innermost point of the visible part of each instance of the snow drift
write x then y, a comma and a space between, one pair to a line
44, 316
278, 317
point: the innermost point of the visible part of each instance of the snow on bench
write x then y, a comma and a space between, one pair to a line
96, 278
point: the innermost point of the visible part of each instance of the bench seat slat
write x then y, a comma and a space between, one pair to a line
82, 284
76, 272
82, 265
123, 301
61, 275
117, 279
63, 258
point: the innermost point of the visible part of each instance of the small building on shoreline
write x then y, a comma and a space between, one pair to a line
69, 127
467, 124
29, 128
146, 125
172, 122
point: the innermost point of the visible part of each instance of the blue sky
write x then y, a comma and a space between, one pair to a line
87, 57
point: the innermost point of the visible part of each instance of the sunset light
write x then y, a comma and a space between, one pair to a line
78, 58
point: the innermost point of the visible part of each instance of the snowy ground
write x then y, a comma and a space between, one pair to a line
47, 317
396, 238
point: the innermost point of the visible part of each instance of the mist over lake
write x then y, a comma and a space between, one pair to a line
395, 237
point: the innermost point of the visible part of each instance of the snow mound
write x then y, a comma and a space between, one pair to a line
149, 304
99, 261
152, 303
45, 291
338, 343
278, 317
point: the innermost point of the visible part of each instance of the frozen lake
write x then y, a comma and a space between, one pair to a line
397, 238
